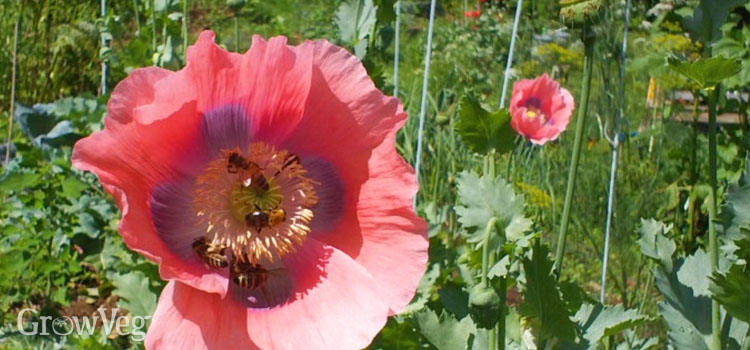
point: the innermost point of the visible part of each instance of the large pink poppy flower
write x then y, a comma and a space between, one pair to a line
540, 109
268, 189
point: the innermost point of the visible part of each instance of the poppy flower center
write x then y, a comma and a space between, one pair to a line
256, 203
533, 107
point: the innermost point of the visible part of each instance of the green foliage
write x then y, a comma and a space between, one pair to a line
356, 21
543, 304
445, 332
735, 44
599, 322
483, 130
134, 290
686, 316
705, 23
694, 273
483, 198
706, 73
654, 242
736, 213
731, 291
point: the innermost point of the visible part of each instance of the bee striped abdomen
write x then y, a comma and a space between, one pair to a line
210, 254
247, 275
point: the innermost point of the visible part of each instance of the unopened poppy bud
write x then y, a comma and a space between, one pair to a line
484, 306
579, 12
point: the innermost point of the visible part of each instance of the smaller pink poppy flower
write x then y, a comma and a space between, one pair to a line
540, 109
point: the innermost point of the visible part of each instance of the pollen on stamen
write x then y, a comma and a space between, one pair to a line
256, 202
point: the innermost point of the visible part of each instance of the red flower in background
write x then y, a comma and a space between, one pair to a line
268, 189
540, 109
473, 14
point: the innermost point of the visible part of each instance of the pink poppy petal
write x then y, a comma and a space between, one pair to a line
562, 108
337, 305
191, 319
279, 78
359, 114
269, 84
394, 247
131, 158
380, 229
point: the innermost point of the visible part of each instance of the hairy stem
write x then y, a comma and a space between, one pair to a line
588, 60
713, 243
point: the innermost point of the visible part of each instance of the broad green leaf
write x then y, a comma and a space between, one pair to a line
455, 300
19, 181
500, 269
356, 20
705, 24
136, 296
694, 273
72, 187
633, 342
739, 334
574, 296
706, 73
654, 242
599, 321
386, 10
733, 291
484, 198
688, 317
682, 333
445, 332
736, 213
483, 130
734, 44
543, 305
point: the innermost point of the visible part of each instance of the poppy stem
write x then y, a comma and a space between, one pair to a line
713, 243
397, 45
588, 60
425, 86
491, 340
511, 50
615, 151
486, 250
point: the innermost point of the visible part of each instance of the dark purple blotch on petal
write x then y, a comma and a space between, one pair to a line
534, 102
174, 217
226, 127
330, 191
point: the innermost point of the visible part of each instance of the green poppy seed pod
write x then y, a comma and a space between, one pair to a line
236, 5
484, 306
578, 12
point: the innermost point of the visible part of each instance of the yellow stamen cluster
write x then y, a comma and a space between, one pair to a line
257, 203
532, 112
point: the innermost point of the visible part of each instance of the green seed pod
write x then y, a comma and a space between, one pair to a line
484, 306
236, 5
578, 12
